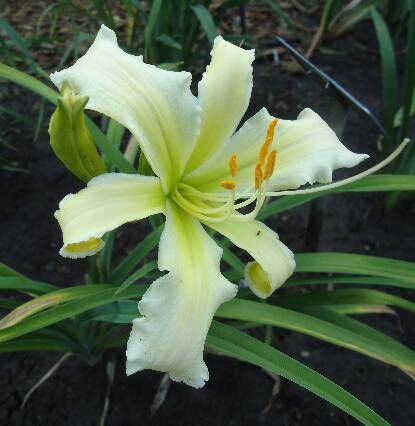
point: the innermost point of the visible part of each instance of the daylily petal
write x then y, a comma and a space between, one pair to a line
308, 151
274, 262
178, 308
157, 106
108, 201
224, 94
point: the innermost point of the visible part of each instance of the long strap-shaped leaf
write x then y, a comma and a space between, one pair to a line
331, 327
374, 183
316, 279
348, 263
141, 250
49, 300
25, 285
342, 296
232, 342
360, 269
34, 343
69, 309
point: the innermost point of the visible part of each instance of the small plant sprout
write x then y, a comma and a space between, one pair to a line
207, 174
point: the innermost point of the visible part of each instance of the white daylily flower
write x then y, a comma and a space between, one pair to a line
205, 174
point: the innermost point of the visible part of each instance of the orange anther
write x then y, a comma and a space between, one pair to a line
263, 152
259, 177
233, 165
270, 166
228, 184
271, 128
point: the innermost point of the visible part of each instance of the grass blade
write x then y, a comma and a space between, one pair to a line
325, 325
206, 21
140, 273
68, 310
48, 300
389, 73
374, 183
25, 285
29, 82
33, 343
273, 4
342, 296
409, 75
20, 43
232, 342
348, 263
130, 262
345, 279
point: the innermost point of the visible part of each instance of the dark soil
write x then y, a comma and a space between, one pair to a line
236, 394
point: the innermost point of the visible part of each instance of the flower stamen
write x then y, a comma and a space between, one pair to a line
265, 157
233, 165
263, 152
228, 184
270, 164
259, 176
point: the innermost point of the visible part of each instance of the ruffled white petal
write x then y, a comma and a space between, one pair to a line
224, 93
108, 201
178, 308
273, 261
308, 151
157, 106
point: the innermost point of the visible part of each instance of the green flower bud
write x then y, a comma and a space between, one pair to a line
70, 138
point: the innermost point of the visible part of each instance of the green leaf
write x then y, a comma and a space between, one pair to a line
374, 183
168, 41
361, 309
344, 279
206, 21
7, 271
151, 27
325, 325
381, 344
397, 121
25, 285
115, 132
140, 273
120, 312
112, 153
234, 262
48, 300
29, 82
409, 75
343, 296
351, 16
130, 262
330, 11
273, 4
106, 255
33, 343
389, 70
68, 310
232, 342
8, 304
170, 66
348, 263
20, 43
